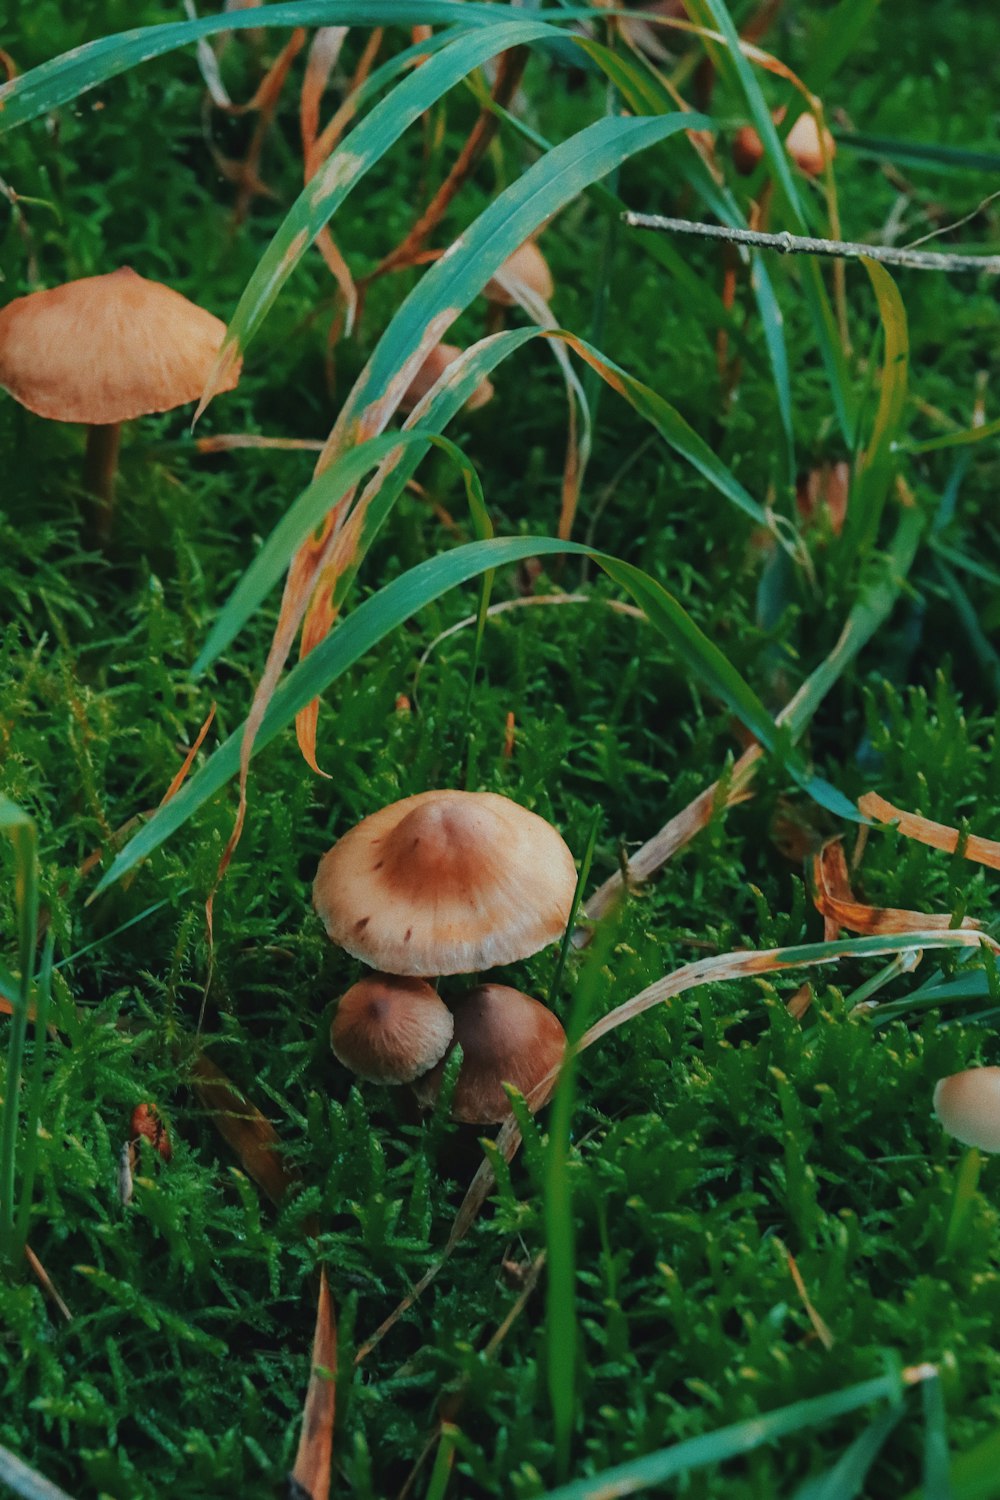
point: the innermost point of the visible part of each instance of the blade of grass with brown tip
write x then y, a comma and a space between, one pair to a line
65, 78
243, 1128
333, 182
386, 610
315, 1451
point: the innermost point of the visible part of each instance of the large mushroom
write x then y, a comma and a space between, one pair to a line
446, 883
506, 1037
101, 351
390, 1030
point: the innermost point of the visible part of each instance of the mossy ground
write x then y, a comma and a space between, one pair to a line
713, 1136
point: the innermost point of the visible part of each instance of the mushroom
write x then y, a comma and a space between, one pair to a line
430, 372
390, 1030
446, 883
528, 266
101, 351
802, 143
968, 1106
506, 1037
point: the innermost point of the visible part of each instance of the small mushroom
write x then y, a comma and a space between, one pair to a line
390, 1030
802, 144
430, 372
446, 883
528, 266
101, 351
506, 1037
968, 1106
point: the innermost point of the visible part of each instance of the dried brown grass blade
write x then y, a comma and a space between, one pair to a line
820, 1328
833, 896
925, 831
721, 967
324, 53
311, 1473
188, 761
46, 1283
334, 129
243, 1128
228, 442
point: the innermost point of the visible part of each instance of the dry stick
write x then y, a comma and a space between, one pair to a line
799, 244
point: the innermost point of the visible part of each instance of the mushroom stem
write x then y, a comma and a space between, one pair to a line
99, 469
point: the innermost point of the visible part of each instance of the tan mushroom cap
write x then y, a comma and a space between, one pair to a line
446, 883
506, 1037
528, 265
430, 372
802, 144
968, 1106
108, 348
390, 1030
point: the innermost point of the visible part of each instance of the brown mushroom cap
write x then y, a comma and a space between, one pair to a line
446, 883
506, 1037
528, 265
430, 372
108, 348
968, 1106
390, 1030
802, 144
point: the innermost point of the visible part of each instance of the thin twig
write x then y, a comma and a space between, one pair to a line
798, 244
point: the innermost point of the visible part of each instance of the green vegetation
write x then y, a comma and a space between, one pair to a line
765, 1220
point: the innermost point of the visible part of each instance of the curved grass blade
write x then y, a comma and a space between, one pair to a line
454, 280
728, 1442
879, 463
731, 61
21, 831
64, 78
845, 1479
385, 611
302, 517
643, 90
336, 179
401, 454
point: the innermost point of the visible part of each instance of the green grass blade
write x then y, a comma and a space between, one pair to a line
836, 37
43, 994
714, 14
640, 86
845, 1479
937, 1478
368, 143
26, 1482
385, 611
562, 1334
301, 518
957, 439
728, 1442
20, 829
454, 280
64, 78
920, 154
878, 467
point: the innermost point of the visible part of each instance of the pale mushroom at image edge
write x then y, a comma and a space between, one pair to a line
506, 1037
446, 882
968, 1106
103, 350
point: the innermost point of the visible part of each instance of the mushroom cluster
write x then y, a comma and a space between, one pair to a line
445, 883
